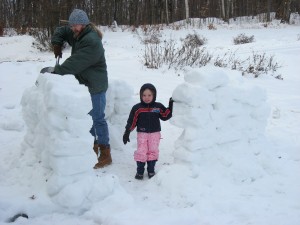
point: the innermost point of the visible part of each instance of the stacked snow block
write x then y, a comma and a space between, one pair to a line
214, 111
118, 105
56, 113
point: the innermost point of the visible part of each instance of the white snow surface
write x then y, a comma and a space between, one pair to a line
229, 155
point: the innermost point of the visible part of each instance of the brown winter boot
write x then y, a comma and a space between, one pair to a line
105, 157
96, 148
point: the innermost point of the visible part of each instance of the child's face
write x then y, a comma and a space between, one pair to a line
147, 96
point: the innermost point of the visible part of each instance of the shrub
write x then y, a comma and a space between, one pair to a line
192, 53
188, 53
152, 39
149, 34
257, 64
42, 39
243, 39
211, 26
193, 40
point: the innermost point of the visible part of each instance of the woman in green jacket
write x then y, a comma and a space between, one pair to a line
87, 62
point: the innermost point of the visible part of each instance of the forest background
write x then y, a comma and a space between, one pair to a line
24, 15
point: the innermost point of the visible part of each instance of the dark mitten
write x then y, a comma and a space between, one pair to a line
57, 51
126, 137
171, 101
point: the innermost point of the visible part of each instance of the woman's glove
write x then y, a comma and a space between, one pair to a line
171, 104
49, 69
126, 137
57, 51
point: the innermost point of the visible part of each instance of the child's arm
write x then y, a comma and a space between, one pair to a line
129, 126
166, 113
131, 122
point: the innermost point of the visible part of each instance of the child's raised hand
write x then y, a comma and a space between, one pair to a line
171, 104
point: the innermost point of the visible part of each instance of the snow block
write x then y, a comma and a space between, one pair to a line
215, 111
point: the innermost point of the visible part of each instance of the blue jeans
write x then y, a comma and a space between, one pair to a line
99, 129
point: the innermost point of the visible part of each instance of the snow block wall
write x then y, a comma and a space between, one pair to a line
213, 111
55, 111
219, 152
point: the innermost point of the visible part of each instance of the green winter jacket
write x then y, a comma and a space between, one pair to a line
87, 60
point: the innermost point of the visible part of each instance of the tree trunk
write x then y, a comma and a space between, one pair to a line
223, 10
167, 12
287, 11
283, 11
269, 11
227, 12
1, 30
187, 15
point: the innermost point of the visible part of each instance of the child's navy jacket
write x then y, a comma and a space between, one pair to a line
146, 117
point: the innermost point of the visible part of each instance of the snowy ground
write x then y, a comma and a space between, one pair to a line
245, 173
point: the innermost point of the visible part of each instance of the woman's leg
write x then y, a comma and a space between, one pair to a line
99, 123
100, 130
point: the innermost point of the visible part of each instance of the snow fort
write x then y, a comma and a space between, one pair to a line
58, 141
219, 150
215, 112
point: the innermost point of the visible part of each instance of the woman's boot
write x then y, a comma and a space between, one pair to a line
96, 148
104, 158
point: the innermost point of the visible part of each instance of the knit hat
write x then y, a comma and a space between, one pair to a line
78, 16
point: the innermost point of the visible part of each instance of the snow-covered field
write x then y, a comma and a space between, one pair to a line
230, 154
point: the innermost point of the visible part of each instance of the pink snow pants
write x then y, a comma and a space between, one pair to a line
147, 146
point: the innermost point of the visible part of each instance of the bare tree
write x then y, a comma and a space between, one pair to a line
167, 12
283, 10
187, 10
222, 4
226, 5
269, 10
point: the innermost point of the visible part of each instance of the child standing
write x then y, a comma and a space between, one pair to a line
146, 117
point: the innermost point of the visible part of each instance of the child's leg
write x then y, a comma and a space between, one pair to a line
140, 167
153, 153
151, 168
140, 155
153, 144
140, 170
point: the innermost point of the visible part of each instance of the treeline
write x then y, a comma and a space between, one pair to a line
47, 13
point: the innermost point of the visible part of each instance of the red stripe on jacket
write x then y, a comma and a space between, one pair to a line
141, 110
